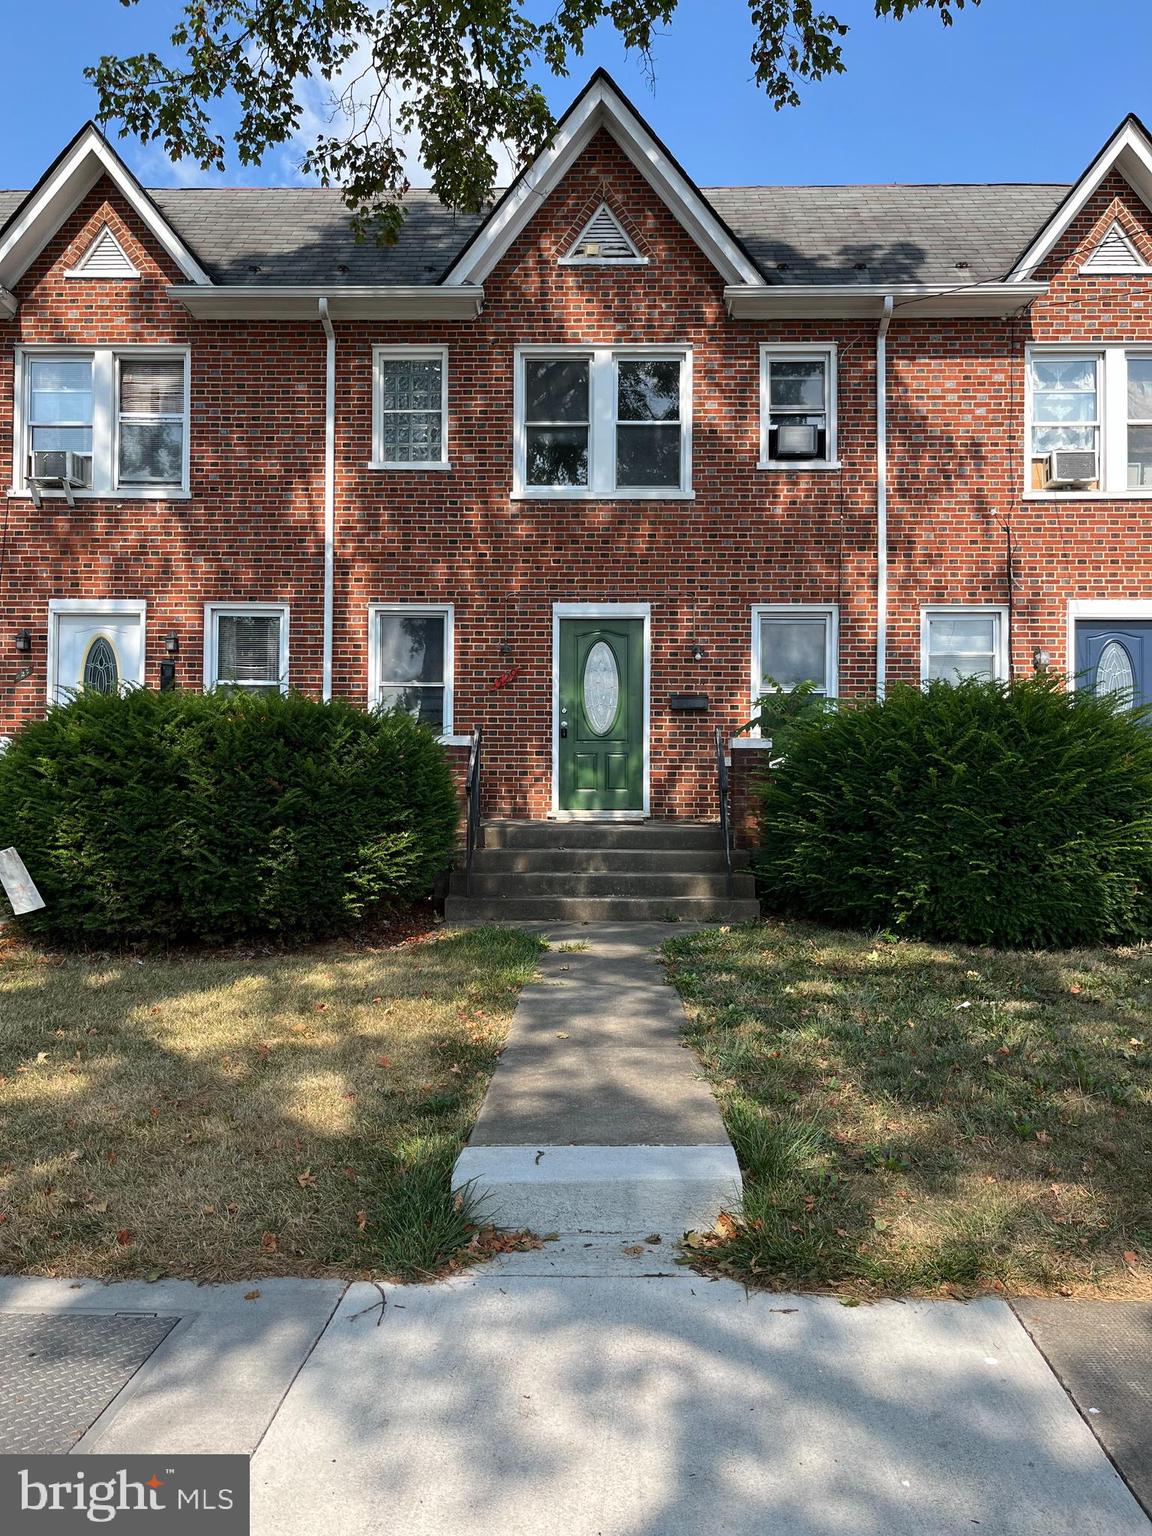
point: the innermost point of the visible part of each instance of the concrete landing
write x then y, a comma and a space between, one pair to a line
598, 1118
505, 1404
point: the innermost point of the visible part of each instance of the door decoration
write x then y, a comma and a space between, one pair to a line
601, 688
1114, 672
101, 673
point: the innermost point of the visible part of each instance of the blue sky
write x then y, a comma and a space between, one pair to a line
1018, 90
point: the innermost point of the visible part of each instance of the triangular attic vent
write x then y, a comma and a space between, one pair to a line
602, 242
1115, 253
105, 257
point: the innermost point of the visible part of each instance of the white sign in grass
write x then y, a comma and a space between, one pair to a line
18, 884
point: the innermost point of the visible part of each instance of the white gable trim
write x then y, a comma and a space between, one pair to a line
60, 192
104, 257
1128, 151
602, 106
576, 257
1114, 253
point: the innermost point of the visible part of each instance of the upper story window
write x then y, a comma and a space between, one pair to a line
603, 422
246, 647
798, 407
1089, 420
410, 416
113, 419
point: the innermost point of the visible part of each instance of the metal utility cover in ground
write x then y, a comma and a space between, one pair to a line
59, 1373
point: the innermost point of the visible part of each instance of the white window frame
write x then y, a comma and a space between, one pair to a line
602, 405
829, 612
382, 354
782, 352
213, 612
1112, 408
375, 681
105, 420
998, 611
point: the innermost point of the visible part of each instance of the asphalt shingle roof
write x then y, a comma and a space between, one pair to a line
865, 234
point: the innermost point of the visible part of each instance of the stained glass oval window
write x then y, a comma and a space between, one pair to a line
1114, 671
101, 674
601, 688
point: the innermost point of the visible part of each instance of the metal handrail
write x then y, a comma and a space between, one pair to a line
472, 794
723, 794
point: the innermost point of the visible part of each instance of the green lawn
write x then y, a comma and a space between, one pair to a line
231, 1117
917, 1117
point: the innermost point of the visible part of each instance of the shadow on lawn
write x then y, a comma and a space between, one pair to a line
220, 1117
911, 1116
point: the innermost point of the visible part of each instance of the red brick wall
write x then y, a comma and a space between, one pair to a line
252, 528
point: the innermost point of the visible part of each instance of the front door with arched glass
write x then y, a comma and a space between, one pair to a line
95, 649
600, 715
1115, 656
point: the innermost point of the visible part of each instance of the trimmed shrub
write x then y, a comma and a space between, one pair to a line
213, 817
1012, 814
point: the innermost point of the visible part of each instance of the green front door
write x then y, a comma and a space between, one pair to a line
601, 715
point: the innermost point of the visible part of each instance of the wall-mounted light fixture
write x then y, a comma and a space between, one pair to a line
696, 650
172, 643
1041, 659
23, 641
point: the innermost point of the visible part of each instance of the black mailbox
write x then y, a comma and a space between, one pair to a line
682, 702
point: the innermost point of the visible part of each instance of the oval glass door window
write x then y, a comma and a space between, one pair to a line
1114, 671
601, 688
101, 674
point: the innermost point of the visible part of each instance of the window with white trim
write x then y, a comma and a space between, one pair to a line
958, 642
1095, 401
797, 406
793, 644
603, 422
411, 661
410, 418
122, 413
246, 647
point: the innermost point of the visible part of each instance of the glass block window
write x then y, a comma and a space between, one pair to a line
249, 649
413, 662
962, 642
411, 415
152, 423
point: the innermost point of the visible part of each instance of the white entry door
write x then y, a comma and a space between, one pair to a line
98, 648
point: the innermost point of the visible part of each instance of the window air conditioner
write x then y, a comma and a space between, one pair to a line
794, 441
1070, 466
58, 467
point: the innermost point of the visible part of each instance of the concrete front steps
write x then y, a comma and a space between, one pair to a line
601, 871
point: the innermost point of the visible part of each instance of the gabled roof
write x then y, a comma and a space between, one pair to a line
602, 105
1128, 152
57, 194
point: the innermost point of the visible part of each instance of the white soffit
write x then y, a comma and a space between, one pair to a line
60, 191
602, 105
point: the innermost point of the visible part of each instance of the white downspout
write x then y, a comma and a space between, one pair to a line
329, 494
882, 498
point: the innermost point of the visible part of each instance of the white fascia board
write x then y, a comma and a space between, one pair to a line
274, 302
602, 107
89, 158
913, 301
1127, 151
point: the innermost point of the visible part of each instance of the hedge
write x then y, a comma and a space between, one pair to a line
214, 817
1012, 814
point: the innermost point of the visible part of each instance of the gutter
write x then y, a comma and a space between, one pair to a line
329, 495
918, 301
274, 301
882, 497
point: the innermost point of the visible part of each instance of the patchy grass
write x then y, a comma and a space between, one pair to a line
917, 1117
231, 1117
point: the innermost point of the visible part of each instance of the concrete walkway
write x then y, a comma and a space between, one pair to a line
598, 1118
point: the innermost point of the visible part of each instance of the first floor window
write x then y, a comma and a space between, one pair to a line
412, 663
597, 422
797, 406
248, 648
411, 426
793, 645
962, 642
122, 413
